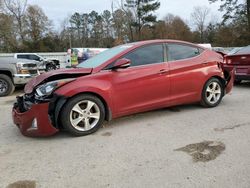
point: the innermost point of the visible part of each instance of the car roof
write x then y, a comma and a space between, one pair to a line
26, 53
140, 43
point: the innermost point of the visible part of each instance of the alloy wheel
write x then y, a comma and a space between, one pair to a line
85, 115
213, 92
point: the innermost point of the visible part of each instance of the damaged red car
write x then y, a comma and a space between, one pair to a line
123, 80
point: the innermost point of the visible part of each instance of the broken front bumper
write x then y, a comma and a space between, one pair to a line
34, 121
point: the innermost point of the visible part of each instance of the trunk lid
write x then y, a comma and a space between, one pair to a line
238, 59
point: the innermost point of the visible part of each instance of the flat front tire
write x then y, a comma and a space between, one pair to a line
83, 115
212, 93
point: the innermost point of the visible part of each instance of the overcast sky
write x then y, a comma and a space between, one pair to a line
58, 10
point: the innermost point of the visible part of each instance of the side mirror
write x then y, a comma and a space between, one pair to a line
122, 64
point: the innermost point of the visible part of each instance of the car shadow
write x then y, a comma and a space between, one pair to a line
243, 84
130, 119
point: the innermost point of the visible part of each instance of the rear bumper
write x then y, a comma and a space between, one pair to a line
242, 77
241, 72
34, 122
229, 73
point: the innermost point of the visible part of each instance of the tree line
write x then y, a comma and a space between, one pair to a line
26, 28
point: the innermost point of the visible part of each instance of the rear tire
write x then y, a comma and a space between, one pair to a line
83, 115
212, 93
6, 85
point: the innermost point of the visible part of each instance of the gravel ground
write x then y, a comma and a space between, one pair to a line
185, 146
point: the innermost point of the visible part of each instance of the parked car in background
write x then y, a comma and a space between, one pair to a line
234, 50
76, 55
42, 63
240, 60
123, 80
15, 72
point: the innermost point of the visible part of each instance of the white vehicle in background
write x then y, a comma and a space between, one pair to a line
15, 72
206, 45
74, 55
43, 64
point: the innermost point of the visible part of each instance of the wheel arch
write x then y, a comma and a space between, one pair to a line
7, 73
59, 102
223, 81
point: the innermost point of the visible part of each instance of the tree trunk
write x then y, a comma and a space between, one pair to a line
248, 14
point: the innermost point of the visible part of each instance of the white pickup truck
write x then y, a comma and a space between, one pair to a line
42, 63
14, 72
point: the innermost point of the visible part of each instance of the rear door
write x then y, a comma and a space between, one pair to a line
144, 85
185, 64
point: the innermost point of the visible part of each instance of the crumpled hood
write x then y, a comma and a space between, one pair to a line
56, 75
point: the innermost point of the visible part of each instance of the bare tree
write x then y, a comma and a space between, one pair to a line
17, 9
38, 24
199, 18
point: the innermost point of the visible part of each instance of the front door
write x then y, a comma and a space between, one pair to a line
144, 85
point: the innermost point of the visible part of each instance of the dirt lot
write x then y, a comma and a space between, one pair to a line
186, 146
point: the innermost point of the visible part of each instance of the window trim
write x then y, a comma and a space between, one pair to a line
181, 44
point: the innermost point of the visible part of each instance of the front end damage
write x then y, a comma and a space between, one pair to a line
36, 113
37, 118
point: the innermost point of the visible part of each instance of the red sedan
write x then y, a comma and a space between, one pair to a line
240, 60
124, 80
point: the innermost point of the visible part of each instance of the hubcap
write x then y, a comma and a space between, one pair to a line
3, 86
84, 115
213, 92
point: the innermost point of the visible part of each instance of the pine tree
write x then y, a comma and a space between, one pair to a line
143, 12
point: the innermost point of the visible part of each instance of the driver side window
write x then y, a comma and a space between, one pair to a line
34, 57
146, 55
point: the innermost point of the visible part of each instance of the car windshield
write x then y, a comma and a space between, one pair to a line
103, 56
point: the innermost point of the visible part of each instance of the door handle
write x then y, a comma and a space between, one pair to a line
163, 71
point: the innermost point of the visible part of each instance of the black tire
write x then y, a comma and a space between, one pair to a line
205, 94
50, 67
237, 82
65, 115
6, 85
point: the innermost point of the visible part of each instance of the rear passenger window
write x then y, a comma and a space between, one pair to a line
178, 52
22, 57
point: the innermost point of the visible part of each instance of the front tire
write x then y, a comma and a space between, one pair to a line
6, 85
83, 115
212, 93
50, 67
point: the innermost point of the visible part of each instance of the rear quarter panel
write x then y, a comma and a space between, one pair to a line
189, 76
